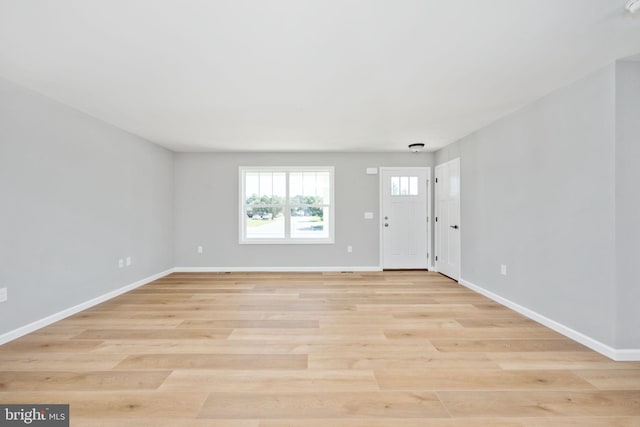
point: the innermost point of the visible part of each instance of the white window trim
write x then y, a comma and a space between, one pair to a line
287, 240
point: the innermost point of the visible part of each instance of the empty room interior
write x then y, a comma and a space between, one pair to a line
302, 213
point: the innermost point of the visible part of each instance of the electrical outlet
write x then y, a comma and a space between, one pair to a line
120, 263
200, 249
128, 261
368, 215
3, 294
503, 269
349, 248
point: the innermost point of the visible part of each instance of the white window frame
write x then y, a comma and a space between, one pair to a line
287, 239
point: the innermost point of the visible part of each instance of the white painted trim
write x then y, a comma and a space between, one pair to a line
287, 239
627, 355
430, 249
33, 326
380, 219
298, 241
610, 352
272, 269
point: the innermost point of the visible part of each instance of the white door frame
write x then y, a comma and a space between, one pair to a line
435, 212
429, 212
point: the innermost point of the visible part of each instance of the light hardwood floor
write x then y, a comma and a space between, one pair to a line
314, 349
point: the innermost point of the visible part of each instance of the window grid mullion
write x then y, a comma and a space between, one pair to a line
288, 204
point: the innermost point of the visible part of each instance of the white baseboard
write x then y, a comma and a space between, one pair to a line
272, 269
627, 355
23, 330
610, 352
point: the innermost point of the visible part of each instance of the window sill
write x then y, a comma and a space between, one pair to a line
287, 242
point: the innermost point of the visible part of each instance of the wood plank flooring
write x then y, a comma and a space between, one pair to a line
314, 349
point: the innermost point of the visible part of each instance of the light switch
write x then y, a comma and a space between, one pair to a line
368, 215
372, 171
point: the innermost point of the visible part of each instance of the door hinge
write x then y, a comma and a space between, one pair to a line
436, 180
436, 219
436, 257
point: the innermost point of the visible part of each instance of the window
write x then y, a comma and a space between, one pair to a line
286, 205
404, 185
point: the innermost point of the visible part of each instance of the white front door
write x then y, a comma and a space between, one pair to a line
404, 217
447, 225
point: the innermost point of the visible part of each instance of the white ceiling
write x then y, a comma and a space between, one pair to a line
301, 75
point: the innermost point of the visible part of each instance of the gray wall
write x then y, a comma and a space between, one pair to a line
77, 195
549, 190
538, 195
628, 203
206, 186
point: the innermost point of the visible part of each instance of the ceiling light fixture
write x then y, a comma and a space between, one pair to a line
419, 146
633, 6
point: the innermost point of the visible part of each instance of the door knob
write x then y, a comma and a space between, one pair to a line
386, 224
454, 226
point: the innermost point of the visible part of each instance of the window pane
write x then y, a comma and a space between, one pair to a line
309, 222
252, 187
265, 188
309, 184
266, 185
295, 185
323, 187
309, 187
264, 223
395, 185
404, 185
413, 185
268, 215
279, 187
